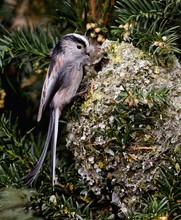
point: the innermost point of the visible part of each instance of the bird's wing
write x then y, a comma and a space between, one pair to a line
55, 80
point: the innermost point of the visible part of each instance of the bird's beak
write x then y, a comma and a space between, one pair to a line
91, 50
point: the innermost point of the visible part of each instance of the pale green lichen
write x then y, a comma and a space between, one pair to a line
100, 157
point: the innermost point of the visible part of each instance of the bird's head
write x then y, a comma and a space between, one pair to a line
74, 46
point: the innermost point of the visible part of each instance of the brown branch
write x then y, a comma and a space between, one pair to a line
93, 7
141, 148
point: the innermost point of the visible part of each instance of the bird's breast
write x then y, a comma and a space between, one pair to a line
64, 96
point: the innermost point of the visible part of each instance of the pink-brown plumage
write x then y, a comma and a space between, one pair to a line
62, 81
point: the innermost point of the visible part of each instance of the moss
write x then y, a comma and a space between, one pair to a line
126, 127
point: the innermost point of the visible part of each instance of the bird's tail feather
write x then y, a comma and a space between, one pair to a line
54, 144
30, 177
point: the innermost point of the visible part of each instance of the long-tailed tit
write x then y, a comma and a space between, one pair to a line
60, 86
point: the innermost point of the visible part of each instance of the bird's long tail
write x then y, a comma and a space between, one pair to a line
30, 177
54, 144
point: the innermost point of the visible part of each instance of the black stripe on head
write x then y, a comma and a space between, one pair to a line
74, 39
59, 49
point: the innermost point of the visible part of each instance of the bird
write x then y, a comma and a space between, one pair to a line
63, 78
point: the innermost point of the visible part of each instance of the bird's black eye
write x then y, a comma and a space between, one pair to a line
79, 46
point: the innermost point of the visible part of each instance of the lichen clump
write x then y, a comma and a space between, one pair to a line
126, 125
